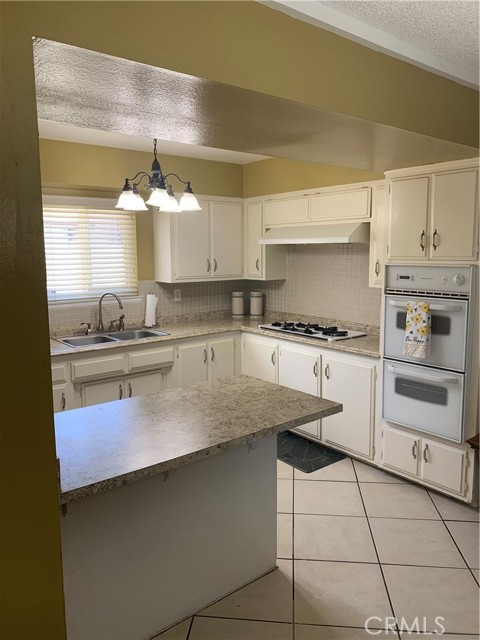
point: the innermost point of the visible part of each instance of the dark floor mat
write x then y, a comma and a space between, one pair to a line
303, 454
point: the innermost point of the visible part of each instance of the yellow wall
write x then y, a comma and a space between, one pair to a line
278, 174
241, 43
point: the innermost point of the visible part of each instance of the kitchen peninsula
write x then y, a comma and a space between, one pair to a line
169, 500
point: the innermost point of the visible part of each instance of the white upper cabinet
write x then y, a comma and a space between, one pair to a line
200, 245
286, 210
226, 239
261, 262
336, 205
408, 218
454, 201
378, 239
434, 212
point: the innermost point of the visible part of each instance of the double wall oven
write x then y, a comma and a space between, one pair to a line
429, 394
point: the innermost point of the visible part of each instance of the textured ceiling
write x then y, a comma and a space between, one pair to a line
449, 28
97, 91
441, 36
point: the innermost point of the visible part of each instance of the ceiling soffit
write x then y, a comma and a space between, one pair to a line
98, 91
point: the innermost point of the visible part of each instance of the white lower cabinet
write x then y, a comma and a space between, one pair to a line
300, 370
125, 387
439, 465
259, 358
62, 388
203, 361
351, 382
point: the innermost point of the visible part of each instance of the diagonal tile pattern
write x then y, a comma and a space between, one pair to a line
356, 544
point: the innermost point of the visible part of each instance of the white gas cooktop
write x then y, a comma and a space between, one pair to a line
312, 330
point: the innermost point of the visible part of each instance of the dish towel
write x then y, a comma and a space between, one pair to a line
418, 329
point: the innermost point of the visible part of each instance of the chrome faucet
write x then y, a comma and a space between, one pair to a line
100, 317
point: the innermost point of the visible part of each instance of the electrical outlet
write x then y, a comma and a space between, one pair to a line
177, 295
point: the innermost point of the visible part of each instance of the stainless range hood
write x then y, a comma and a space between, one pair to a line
318, 234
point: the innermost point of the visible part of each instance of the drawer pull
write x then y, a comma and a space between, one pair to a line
327, 372
377, 267
422, 241
315, 369
434, 237
130, 390
257, 264
273, 358
425, 453
204, 356
120, 391
215, 264
209, 266
64, 402
212, 354
414, 451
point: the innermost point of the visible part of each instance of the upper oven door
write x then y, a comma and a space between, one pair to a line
449, 331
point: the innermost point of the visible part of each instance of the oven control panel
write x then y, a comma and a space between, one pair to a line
429, 279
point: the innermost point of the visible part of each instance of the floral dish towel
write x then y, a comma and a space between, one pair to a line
418, 329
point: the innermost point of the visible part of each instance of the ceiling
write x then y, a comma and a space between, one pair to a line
79, 98
441, 36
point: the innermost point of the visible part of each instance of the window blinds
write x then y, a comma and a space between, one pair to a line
89, 251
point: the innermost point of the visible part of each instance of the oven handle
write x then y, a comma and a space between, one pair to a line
433, 307
422, 376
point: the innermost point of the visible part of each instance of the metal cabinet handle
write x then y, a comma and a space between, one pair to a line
64, 402
209, 266
273, 358
377, 267
120, 391
130, 390
315, 369
212, 354
204, 356
214, 264
425, 453
327, 372
434, 244
422, 240
257, 264
414, 451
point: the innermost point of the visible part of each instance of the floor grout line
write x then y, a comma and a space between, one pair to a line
378, 556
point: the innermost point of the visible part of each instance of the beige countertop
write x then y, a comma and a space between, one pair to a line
112, 444
368, 345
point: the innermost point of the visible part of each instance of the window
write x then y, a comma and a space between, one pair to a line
89, 250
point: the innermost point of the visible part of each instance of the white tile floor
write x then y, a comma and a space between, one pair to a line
355, 542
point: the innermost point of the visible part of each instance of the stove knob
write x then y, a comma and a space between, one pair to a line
458, 280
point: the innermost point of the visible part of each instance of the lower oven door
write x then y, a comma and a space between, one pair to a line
423, 398
449, 331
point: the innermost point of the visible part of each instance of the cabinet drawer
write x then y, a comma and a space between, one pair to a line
151, 359
59, 373
98, 367
349, 205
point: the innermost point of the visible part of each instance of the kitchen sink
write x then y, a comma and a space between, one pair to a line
82, 341
136, 334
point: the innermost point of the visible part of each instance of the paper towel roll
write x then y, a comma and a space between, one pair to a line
150, 315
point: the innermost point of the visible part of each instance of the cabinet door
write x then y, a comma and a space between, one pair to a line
443, 465
453, 223
62, 397
299, 370
408, 218
145, 384
226, 221
378, 241
105, 391
401, 451
192, 363
352, 384
346, 205
192, 246
253, 231
221, 353
286, 210
260, 359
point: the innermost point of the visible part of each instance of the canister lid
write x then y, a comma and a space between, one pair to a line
256, 294
237, 294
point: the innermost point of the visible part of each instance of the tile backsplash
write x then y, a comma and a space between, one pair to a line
329, 281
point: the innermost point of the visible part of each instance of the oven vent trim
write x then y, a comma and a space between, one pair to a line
422, 292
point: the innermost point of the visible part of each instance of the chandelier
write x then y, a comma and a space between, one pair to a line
161, 196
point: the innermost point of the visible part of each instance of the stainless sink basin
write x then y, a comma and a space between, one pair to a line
81, 341
137, 334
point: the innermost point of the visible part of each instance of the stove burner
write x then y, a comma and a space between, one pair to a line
335, 334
